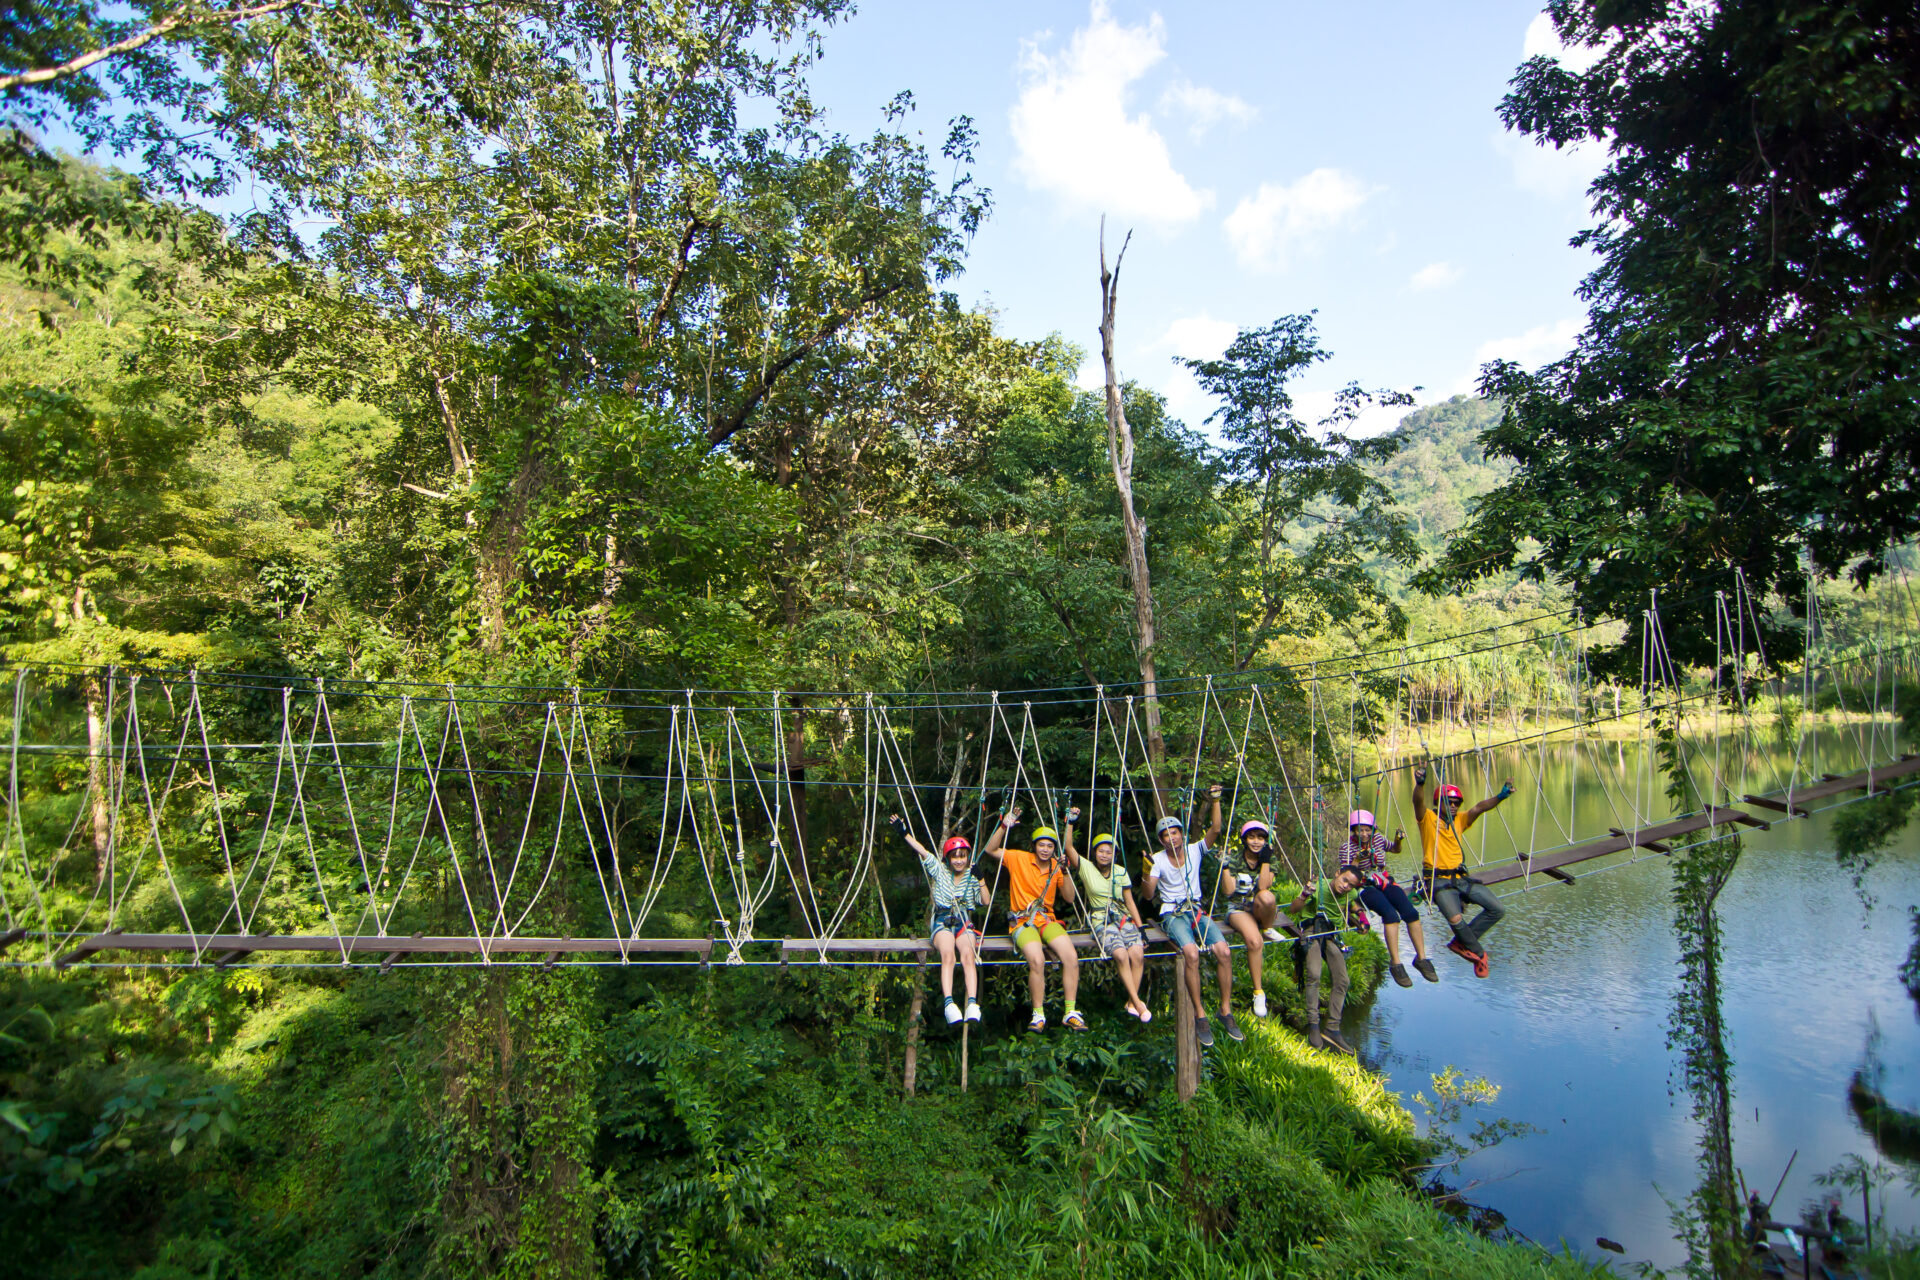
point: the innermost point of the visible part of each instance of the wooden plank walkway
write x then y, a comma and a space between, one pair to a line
1656, 837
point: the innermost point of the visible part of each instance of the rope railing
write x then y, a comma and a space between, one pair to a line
523, 823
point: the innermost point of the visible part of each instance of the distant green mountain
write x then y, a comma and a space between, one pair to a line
1441, 467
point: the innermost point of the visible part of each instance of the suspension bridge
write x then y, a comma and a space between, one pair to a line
192, 819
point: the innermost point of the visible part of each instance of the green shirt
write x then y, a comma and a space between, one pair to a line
1333, 906
1105, 906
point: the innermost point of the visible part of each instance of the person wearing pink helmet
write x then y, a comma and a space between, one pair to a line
1246, 882
1443, 862
1365, 854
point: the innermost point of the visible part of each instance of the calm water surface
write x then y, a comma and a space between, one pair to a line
1572, 1022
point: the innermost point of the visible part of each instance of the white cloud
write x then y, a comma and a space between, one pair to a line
1204, 107
1312, 406
1534, 347
1554, 172
1543, 41
1199, 337
1270, 226
1435, 275
1072, 135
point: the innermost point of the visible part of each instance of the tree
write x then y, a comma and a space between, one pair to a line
1287, 476
1744, 394
1139, 573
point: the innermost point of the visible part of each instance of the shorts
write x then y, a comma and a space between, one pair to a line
1180, 927
1118, 937
1390, 903
1040, 928
1243, 905
958, 926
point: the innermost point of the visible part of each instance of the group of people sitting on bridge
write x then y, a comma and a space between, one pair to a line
1040, 878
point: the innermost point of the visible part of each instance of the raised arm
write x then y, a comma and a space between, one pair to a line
899, 824
1399, 838
1492, 801
997, 841
1419, 792
1066, 842
1213, 816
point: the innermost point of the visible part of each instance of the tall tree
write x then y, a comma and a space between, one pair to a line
1317, 514
1744, 394
1120, 453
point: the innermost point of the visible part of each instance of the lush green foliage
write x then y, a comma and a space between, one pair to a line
1742, 397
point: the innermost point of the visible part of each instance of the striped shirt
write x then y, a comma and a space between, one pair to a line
951, 892
1366, 860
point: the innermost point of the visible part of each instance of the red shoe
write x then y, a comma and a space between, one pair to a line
1480, 966
1472, 957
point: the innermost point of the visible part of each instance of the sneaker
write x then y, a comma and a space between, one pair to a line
1233, 1028
1461, 949
973, 1011
953, 1013
1038, 1022
1073, 1021
1400, 975
1203, 1027
1274, 935
1425, 966
1336, 1042
1259, 1004
1480, 965
1313, 1035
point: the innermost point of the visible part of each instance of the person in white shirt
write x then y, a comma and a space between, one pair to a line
1174, 878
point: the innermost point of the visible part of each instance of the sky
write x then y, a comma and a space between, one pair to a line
1268, 158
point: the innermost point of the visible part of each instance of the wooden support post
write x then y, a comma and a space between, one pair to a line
10, 937
964, 1027
911, 1075
552, 958
99, 942
1564, 877
392, 956
1186, 1043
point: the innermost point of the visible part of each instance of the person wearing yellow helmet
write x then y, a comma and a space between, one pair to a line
1033, 878
1117, 927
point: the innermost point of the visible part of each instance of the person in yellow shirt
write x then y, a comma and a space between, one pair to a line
1443, 865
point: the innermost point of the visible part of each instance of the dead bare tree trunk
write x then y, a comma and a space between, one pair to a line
1120, 454
99, 778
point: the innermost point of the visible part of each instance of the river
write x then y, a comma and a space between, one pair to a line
1572, 1022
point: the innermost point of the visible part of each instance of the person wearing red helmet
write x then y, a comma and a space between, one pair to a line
957, 893
1365, 852
1033, 878
1444, 864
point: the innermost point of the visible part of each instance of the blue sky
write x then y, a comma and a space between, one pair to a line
1269, 158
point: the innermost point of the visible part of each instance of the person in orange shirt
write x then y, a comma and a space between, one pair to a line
1033, 878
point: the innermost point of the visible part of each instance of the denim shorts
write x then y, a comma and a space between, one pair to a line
1180, 927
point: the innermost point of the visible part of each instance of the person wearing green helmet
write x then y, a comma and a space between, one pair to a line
1117, 927
1033, 878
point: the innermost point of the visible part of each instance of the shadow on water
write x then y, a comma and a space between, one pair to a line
1572, 1022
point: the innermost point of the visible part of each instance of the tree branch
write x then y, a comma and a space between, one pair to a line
74, 66
721, 432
